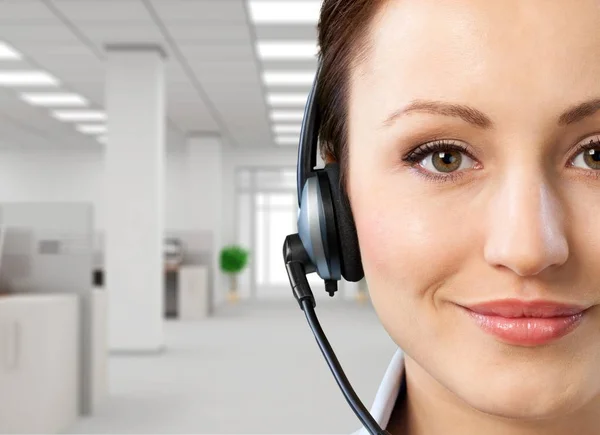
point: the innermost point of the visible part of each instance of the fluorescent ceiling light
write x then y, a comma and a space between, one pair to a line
287, 140
289, 78
27, 78
92, 128
287, 129
79, 115
289, 12
294, 99
287, 50
8, 53
287, 115
54, 99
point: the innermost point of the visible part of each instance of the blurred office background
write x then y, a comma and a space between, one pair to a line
142, 142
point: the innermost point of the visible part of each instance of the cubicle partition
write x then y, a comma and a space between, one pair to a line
47, 250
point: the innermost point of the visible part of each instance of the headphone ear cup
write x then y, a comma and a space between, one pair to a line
351, 262
317, 228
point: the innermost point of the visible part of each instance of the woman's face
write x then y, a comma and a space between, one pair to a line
515, 216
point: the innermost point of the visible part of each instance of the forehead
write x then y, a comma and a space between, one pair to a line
509, 49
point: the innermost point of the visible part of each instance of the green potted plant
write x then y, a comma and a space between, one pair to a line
234, 259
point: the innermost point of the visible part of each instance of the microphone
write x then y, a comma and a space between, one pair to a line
297, 262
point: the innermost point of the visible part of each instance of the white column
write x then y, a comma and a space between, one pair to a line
205, 199
134, 171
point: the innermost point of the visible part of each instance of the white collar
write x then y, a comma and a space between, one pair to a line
387, 393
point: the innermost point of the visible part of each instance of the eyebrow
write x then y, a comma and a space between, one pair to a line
479, 119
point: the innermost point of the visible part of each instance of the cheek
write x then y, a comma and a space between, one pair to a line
411, 248
407, 244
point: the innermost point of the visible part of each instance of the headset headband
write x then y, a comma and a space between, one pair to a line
309, 138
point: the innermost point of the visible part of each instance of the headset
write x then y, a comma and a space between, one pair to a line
326, 243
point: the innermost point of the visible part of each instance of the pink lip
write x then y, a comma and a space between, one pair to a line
526, 323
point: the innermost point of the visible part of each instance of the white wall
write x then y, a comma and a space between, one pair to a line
52, 176
76, 176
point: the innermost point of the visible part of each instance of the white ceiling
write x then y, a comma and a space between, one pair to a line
214, 78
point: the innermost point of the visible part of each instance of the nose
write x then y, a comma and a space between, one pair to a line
526, 231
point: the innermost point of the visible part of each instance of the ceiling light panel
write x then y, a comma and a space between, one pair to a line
287, 140
27, 78
289, 12
286, 129
79, 115
9, 53
54, 99
91, 128
286, 100
287, 50
287, 115
288, 78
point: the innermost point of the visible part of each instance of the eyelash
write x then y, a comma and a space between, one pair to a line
417, 155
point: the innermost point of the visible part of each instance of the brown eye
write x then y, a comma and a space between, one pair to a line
441, 157
588, 159
592, 158
446, 161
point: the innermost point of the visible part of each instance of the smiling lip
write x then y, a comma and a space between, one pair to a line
526, 323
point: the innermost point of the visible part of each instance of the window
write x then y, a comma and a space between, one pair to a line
267, 213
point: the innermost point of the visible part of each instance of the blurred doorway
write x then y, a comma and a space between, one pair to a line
267, 211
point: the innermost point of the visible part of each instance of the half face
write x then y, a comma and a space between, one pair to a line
474, 176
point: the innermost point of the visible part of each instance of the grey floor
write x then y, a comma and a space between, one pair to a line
253, 368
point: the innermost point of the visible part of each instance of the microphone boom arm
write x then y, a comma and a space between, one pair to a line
296, 259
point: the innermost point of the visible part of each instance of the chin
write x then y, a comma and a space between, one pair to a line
527, 397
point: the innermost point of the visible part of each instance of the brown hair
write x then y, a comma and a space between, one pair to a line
343, 41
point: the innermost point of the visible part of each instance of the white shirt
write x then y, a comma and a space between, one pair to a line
387, 393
